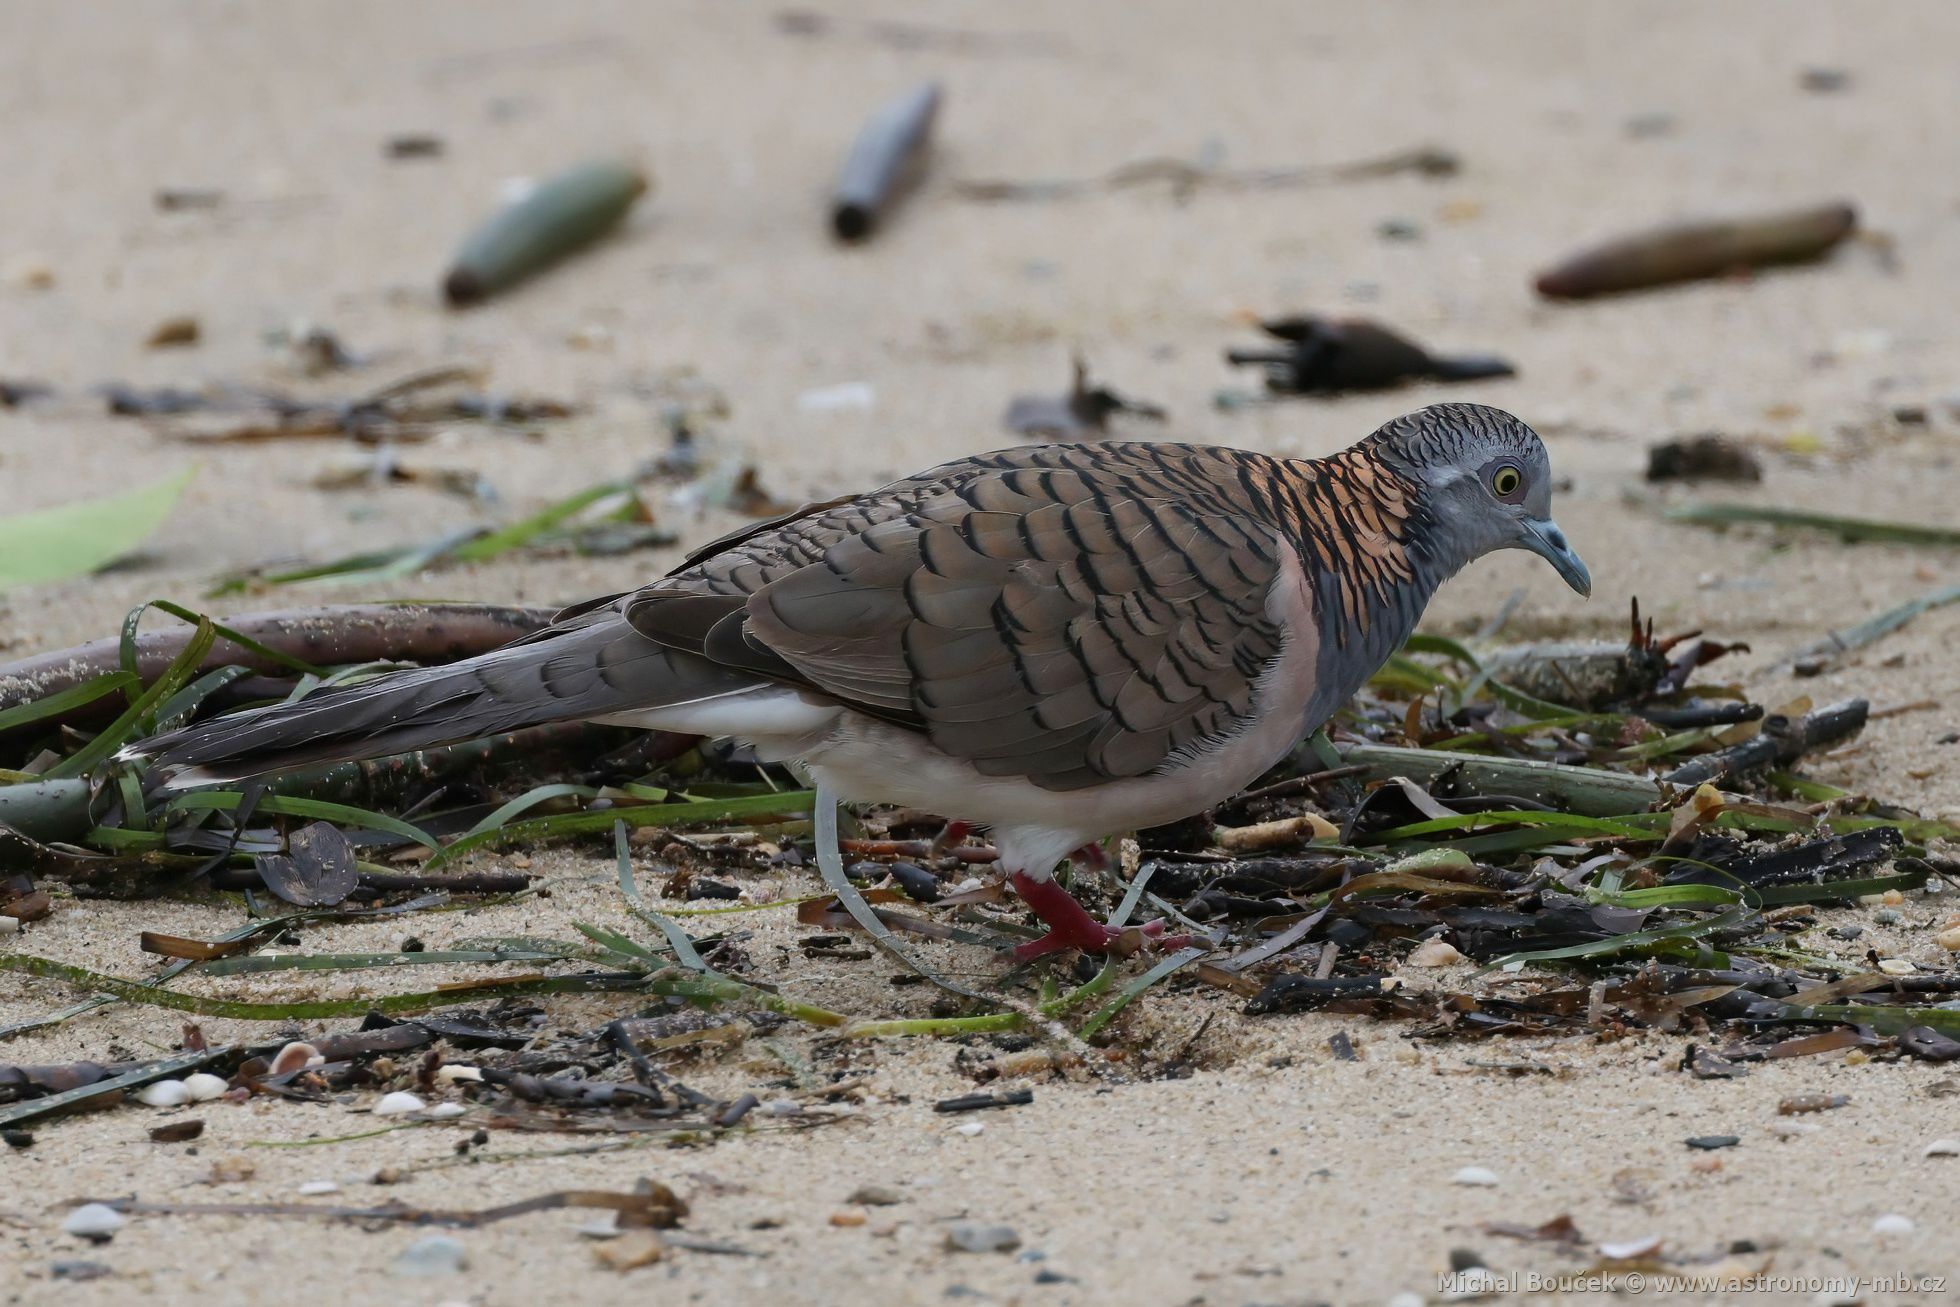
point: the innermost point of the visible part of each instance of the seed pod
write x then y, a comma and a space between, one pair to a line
560, 215
1694, 250
883, 160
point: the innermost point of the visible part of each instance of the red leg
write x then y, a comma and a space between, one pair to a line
1071, 926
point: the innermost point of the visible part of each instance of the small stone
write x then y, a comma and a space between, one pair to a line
644, 1248
203, 1087
1714, 1141
1949, 939
453, 1073
315, 1188
969, 1128
782, 1107
1435, 953
1476, 1177
164, 1093
1942, 1148
95, 1222
437, 1254
17, 1138
847, 1220
399, 1103
9, 925
972, 1237
447, 1111
1398, 229
875, 1195
1892, 1223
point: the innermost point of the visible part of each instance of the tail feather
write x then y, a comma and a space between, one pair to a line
586, 670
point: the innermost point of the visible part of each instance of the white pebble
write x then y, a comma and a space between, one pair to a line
1896, 967
203, 1087
447, 1111
782, 1107
1791, 1129
436, 1254
1942, 1148
1892, 1223
968, 1128
1475, 1176
164, 1093
453, 1073
11, 926
399, 1103
1626, 1248
96, 1222
314, 1188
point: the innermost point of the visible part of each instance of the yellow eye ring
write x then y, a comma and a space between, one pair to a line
1505, 481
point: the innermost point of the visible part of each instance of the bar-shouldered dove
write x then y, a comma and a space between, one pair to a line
1060, 642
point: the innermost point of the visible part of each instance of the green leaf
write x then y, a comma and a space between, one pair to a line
53, 544
174, 676
75, 696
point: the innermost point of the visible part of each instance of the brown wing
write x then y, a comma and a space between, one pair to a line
1071, 614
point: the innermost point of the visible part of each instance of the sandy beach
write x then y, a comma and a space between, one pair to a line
1268, 1171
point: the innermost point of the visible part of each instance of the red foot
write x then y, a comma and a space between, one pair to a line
1070, 926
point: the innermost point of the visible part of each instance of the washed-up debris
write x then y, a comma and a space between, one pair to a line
981, 1102
174, 333
1848, 529
178, 199
1814, 659
414, 145
557, 217
15, 392
1082, 414
54, 544
1801, 1104
886, 160
1706, 457
1696, 250
178, 1132
1329, 356
1186, 177
973, 1237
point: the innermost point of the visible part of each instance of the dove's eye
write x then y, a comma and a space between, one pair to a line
1505, 481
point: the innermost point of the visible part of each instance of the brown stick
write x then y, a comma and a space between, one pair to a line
353, 633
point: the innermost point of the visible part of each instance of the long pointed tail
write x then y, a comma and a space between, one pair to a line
573, 673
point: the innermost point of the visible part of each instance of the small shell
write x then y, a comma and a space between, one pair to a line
1897, 967
456, 1071
1892, 1223
315, 1188
399, 1103
1942, 1148
296, 1057
969, 1128
96, 1222
1475, 1176
447, 1111
203, 1087
1949, 939
1435, 953
164, 1093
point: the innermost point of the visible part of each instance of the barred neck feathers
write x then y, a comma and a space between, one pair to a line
1359, 524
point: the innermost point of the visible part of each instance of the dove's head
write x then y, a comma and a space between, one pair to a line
1486, 482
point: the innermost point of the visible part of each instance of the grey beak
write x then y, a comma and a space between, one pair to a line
1543, 538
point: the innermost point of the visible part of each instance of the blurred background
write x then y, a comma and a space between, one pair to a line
257, 206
